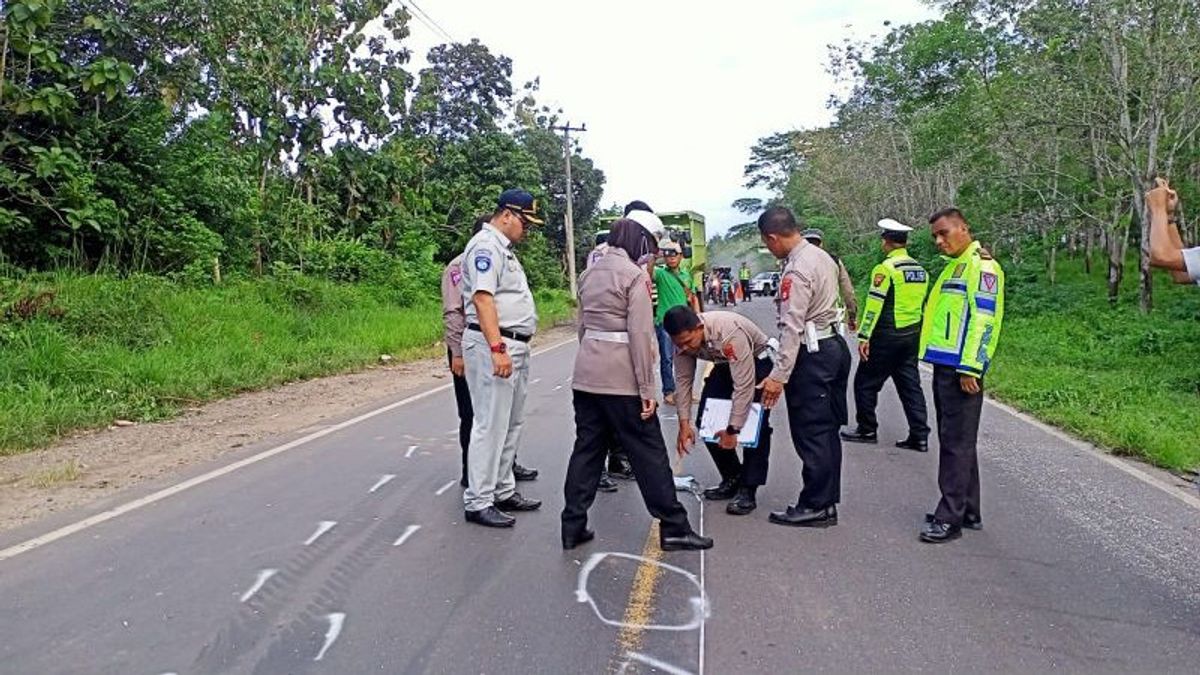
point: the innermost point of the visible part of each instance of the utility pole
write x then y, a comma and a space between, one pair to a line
569, 220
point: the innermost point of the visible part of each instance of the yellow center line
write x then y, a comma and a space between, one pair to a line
639, 608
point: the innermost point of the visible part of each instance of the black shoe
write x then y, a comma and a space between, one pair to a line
859, 436
620, 468
570, 542
805, 517
518, 503
743, 503
970, 521
462, 482
688, 542
606, 484
491, 517
937, 532
726, 490
524, 472
912, 443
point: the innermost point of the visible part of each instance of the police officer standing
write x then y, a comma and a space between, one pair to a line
737, 348
889, 339
501, 320
613, 390
813, 368
454, 321
845, 287
959, 336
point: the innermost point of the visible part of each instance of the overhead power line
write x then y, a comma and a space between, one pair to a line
429, 22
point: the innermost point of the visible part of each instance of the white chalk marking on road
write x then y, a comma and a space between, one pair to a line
653, 663
699, 603
535, 380
558, 387
383, 480
445, 487
703, 588
411, 450
336, 619
408, 532
322, 527
116, 511
263, 577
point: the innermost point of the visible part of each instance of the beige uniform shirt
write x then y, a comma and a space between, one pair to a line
847, 291
808, 292
728, 338
489, 265
618, 349
454, 318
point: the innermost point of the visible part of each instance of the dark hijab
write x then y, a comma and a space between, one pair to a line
629, 236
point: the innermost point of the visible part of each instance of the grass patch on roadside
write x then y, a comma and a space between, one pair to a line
1126, 381
64, 473
77, 352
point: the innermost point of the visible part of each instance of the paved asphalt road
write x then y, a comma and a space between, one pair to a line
313, 560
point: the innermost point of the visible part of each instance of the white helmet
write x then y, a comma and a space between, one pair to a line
650, 222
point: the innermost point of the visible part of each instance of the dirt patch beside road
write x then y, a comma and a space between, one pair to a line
100, 464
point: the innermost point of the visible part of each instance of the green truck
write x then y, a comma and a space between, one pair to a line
686, 228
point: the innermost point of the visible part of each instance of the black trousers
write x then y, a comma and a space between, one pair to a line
642, 440
466, 414
746, 290
892, 355
816, 404
752, 470
958, 429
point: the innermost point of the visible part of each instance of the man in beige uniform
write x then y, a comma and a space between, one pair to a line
845, 286
454, 321
737, 348
813, 368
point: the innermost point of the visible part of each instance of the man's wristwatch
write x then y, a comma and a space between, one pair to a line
499, 348
732, 430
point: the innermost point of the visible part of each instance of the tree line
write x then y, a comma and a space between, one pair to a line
1045, 120
197, 138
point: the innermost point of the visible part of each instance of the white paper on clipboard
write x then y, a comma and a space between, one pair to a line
716, 418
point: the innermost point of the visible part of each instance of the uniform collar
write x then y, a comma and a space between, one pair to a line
495, 232
898, 252
795, 252
971, 249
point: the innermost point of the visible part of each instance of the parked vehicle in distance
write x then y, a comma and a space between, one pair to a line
765, 283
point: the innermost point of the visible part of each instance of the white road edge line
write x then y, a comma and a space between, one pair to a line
656, 663
322, 527
1108, 458
336, 620
408, 532
447, 486
383, 480
105, 516
263, 577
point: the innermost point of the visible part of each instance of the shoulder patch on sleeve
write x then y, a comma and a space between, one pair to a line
785, 289
455, 275
988, 282
483, 259
729, 352
878, 281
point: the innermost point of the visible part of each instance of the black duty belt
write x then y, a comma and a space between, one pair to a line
504, 332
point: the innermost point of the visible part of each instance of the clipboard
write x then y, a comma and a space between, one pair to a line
716, 418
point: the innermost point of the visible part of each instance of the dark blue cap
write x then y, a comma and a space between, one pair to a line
522, 202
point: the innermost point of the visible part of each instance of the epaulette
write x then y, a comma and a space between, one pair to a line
984, 254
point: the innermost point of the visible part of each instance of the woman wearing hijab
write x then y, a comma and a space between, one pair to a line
614, 391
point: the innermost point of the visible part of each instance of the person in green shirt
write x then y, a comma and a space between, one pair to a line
674, 289
959, 333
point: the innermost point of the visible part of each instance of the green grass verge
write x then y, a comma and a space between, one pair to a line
78, 352
1124, 380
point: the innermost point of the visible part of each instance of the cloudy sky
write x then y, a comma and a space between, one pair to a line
673, 93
